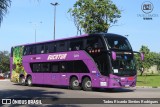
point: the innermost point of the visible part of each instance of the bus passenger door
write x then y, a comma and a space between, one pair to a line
55, 73
63, 79
64, 70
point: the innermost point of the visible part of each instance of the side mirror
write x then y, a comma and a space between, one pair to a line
114, 56
142, 56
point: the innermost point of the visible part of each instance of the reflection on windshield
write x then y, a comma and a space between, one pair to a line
125, 64
118, 43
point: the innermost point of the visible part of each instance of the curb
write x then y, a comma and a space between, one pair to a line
4, 79
147, 87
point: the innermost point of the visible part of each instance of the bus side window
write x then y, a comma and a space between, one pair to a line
26, 50
46, 50
90, 42
93, 43
12, 52
45, 67
40, 49
61, 46
50, 47
76, 45
55, 67
67, 66
80, 67
32, 49
63, 66
36, 67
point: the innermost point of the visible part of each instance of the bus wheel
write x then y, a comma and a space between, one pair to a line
74, 84
22, 80
29, 81
86, 84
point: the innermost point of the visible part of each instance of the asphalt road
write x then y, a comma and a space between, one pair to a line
13, 90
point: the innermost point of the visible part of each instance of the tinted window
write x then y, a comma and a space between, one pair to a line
40, 49
50, 47
32, 49
12, 52
36, 67
94, 43
119, 43
67, 67
54, 67
80, 67
61, 46
26, 50
45, 67
76, 45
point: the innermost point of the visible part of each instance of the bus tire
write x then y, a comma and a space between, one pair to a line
87, 84
22, 80
29, 81
74, 84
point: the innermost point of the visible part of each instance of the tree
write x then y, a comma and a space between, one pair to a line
151, 58
156, 60
4, 61
147, 63
4, 4
94, 16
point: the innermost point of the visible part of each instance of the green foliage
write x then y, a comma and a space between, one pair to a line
4, 61
150, 59
4, 4
94, 15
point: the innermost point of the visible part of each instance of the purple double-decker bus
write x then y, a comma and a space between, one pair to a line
89, 61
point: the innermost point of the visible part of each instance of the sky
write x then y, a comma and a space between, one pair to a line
26, 16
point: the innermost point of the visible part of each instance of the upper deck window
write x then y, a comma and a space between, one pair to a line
12, 52
76, 44
61, 46
118, 43
40, 49
94, 43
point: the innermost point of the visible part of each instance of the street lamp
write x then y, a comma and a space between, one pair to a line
54, 4
35, 29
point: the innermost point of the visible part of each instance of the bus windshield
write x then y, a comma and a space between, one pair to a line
118, 43
124, 65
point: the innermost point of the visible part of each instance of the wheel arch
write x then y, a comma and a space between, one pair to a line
72, 77
86, 76
29, 75
21, 75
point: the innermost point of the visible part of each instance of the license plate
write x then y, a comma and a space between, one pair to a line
126, 85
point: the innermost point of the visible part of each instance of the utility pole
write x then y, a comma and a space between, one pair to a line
35, 30
54, 4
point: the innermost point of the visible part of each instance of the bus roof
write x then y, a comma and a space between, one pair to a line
84, 35
110, 35
74, 37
